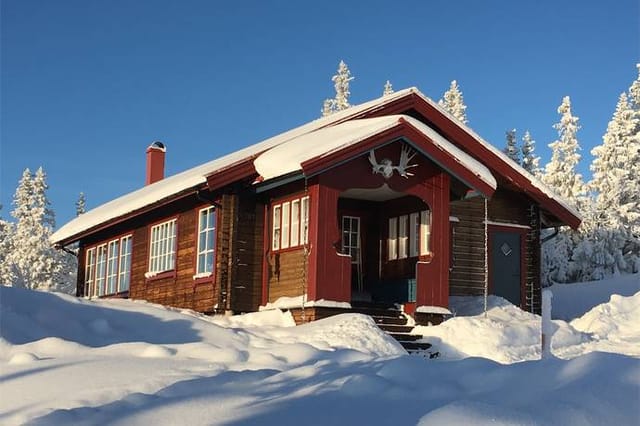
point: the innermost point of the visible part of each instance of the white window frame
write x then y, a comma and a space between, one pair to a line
286, 225
290, 224
425, 232
295, 223
392, 241
208, 230
101, 270
162, 253
351, 238
403, 237
89, 272
124, 263
414, 234
113, 254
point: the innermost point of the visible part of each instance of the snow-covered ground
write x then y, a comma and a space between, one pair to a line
69, 361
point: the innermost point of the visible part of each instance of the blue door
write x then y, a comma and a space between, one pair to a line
506, 265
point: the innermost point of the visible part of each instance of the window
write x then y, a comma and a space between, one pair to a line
163, 247
112, 266
124, 276
276, 228
403, 237
351, 237
409, 235
206, 242
425, 232
108, 267
101, 269
414, 227
290, 226
392, 245
89, 269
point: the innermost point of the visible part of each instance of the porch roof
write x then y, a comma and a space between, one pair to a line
312, 152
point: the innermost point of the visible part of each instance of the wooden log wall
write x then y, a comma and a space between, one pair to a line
533, 262
467, 265
286, 274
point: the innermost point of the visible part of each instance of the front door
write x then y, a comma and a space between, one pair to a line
352, 246
505, 264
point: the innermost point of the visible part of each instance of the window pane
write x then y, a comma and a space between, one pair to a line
403, 237
392, 240
305, 220
285, 225
295, 223
425, 232
414, 234
275, 240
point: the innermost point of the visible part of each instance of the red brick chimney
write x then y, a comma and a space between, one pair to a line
155, 162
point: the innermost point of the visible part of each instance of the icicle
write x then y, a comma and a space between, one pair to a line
486, 254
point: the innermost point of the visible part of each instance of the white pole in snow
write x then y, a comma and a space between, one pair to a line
486, 254
546, 325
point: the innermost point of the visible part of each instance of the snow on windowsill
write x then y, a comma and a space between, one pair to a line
507, 224
201, 275
433, 310
302, 302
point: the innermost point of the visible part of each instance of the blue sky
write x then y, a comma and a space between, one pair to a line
88, 85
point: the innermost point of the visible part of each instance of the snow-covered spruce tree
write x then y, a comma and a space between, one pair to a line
511, 148
560, 174
81, 204
530, 161
388, 89
35, 263
341, 85
7, 276
616, 185
453, 102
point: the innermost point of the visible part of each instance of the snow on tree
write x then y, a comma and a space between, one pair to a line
35, 263
634, 90
6, 246
341, 85
560, 173
453, 102
81, 204
530, 162
388, 89
511, 148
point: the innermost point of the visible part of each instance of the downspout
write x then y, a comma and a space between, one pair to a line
66, 250
556, 231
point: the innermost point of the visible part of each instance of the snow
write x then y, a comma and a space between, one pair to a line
433, 310
73, 361
288, 157
194, 178
298, 302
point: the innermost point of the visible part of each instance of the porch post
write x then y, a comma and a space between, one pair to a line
432, 273
329, 273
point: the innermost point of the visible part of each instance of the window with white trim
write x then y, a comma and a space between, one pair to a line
89, 268
163, 247
290, 224
351, 237
108, 267
206, 241
409, 235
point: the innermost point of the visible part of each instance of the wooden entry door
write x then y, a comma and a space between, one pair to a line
352, 246
505, 264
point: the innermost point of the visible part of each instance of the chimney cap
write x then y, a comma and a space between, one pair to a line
157, 145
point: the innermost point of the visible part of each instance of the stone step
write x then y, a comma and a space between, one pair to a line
395, 328
397, 320
415, 346
405, 337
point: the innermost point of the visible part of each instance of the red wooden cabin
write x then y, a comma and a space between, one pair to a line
389, 201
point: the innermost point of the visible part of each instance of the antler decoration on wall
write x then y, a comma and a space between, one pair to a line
386, 167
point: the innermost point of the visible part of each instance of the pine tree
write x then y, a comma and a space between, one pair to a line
7, 276
511, 148
530, 162
35, 263
81, 204
560, 173
341, 85
388, 89
453, 102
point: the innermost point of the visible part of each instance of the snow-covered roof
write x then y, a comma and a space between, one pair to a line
196, 176
289, 156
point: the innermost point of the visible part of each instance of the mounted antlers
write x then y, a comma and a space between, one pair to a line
386, 167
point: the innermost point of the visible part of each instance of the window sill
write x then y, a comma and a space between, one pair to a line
287, 250
154, 276
203, 278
